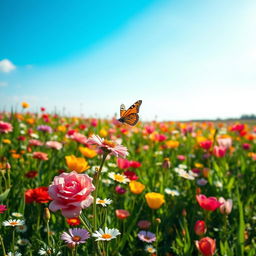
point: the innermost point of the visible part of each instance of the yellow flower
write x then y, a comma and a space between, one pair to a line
25, 105
103, 132
87, 152
172, 143
154, 200
61, 128
6, 141
77, 164
199, 165
136, 187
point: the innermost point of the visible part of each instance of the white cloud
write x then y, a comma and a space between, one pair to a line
6, 66
2, 84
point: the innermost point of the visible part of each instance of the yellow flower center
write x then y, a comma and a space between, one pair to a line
101, 201
119, 178
109, 143
76, 238
14, 223
106, 236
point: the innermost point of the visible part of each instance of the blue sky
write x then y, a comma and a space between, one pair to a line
184, 59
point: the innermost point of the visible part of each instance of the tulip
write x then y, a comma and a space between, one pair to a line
154, 200
206, 246
136, 187
77, 164
208, 203
200, 228
226, 206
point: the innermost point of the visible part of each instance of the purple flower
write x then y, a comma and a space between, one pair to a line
44, 128
76, 236
146, 236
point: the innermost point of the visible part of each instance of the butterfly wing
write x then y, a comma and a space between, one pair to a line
131, 119
133, 109
122, 110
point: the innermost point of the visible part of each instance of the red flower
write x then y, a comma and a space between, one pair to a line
31, 174
40, 156
206, 246
206, 144
135, 164
131, 175
122, 214
119, 190
208, 203
200, 228
38, 195
219, 151
73, 221
123, 163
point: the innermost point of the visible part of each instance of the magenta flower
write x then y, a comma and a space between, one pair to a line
2, 208
109, 146
5, 127
44, 128
146, 236
208, 203
75, 236
219, 151
71, 192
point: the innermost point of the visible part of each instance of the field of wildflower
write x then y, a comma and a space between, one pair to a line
85, 186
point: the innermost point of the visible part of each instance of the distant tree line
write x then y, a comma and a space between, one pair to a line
248, 117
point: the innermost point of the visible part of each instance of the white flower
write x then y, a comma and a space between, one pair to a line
104, 169
186, 175
23, 242
150, 249
15, 254
34, 135
182, 166
22, 228
107, 234
48, 251
13, 223
118, 177
17, 215
172, 192
192, 173
107, 181
103, 202
112, 165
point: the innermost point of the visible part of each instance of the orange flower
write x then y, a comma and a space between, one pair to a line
87, 152
61, 128
136, 187
77, 164
6, 141
154, 200
25, 105
30, 121
172, 143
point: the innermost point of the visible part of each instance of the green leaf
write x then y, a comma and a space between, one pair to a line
4, 195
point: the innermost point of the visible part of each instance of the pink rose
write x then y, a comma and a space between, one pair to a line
71, 192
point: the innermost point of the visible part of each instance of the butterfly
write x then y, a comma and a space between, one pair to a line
130, 116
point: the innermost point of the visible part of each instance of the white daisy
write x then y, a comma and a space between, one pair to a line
150, 249
192, 173
107, 234
112, 165
182, 166
118, 177
23, 242
104, 169
107, 181
103, 202
186, 175
15, 254
48, 251
22, 228
17, 215
13, 223
172, 192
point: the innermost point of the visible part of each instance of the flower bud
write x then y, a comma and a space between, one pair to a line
47, 214
200, 228
226, 206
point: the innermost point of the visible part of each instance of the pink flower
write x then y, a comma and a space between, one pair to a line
2, 208
181, 157
208, 203
120, 190
122, 214
246, 146
219, 151
225, 142
34, 142
207, 144
94, 122
76, 236
109, 146
53, 144
5, 127
71, 192
79, 137
226, 206
40, 156
144, 224
123, 163
135, 164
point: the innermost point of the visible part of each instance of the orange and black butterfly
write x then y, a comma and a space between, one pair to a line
130, 116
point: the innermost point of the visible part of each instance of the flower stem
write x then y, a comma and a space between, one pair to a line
2, 243
13, 240
97, 178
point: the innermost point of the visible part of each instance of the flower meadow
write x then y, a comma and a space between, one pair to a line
87, 186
